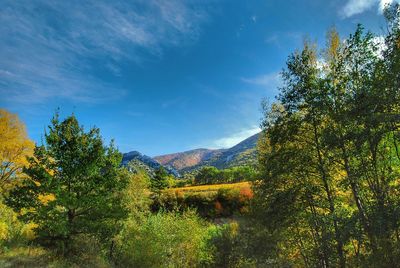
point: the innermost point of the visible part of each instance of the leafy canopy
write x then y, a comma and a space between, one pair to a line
15, 146
75, 185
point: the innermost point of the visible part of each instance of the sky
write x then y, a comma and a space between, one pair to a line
160, 76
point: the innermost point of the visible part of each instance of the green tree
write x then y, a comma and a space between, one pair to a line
206, 175
74, 187
329, 154
160, 180
136, 196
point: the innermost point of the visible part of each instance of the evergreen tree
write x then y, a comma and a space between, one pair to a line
74, 187
160, 180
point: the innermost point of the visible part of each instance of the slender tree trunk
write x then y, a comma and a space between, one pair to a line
324, 176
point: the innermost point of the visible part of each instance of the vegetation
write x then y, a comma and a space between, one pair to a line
339, 115
325, 192
210, 201
164, 240
73, 188
212, 175
160, 180
14, 147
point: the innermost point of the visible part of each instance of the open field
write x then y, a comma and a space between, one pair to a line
211, 187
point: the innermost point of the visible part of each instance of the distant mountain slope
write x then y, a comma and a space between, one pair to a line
146, 162
243, 153
187, 159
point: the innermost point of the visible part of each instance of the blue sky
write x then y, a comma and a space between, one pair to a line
159, 76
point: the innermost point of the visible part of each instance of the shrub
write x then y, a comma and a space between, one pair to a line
12, 231
163, 240
210, 201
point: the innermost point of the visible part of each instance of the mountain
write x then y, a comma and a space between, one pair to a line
145, 162
187, 159
243, 153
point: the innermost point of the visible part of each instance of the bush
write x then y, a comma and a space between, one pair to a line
12, 231
164, 240
209, 201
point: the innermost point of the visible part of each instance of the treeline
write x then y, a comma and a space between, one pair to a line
212, 175
329, 156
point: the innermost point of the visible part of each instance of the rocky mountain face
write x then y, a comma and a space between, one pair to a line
146, 162
244, 153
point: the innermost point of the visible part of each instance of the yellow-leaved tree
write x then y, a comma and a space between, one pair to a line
15, 146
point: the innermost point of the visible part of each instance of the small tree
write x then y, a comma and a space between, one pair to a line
74, 188
160, 180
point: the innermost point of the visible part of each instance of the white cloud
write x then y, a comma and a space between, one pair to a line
354, 7
232, 140
384, 3
271, 80
46, 45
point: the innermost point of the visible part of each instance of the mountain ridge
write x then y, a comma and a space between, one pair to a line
146, 162
243, 153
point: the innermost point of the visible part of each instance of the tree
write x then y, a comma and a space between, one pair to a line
74, 187
160, 180
136, 196
329, 157
15, 146
206, 175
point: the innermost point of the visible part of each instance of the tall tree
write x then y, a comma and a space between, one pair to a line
75, 185
329, 154
15, 146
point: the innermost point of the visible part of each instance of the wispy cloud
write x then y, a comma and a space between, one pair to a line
270, 80
354, 7
282, 39
46, 46
232, 140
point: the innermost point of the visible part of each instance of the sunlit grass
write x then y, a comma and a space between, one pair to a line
211, 187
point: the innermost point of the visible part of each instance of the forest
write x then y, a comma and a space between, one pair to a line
324, 193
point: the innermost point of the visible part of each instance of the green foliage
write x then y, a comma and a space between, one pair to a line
329, 154
160, 180
212, 175
136, 196
164, 240
74, 187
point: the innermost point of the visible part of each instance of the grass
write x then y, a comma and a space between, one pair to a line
28, 257
211, 187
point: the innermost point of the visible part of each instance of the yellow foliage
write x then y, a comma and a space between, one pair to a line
46, 198
15, 146
28, 232
212, 187
3, 231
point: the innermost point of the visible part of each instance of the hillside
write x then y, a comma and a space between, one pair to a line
145, 162
187, 159
244, 153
